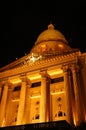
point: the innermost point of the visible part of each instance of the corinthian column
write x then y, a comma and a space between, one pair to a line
45, 97
79, 115
21, 101
3, 104
68, 103
28, 101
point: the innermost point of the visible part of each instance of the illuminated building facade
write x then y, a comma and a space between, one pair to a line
47, 85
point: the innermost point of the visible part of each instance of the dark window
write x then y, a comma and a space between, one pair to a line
36, 84
37, 103
55, 80
15, 119
56, 115
59, 99
17, 88
64, 114
60, 113
37, 116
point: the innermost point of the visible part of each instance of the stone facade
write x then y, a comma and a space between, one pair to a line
45, 85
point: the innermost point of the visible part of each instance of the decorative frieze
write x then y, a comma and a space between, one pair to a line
37, 65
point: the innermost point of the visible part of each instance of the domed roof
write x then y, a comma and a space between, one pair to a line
50, 34
50, 41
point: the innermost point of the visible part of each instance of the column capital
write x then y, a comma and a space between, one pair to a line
28, 81
75, 67
44, 73
65, 68
1, 84
23, 78
6, 83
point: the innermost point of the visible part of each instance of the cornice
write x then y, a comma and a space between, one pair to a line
39, 65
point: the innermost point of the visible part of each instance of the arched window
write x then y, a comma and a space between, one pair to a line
64, 114
60, 113
37, 116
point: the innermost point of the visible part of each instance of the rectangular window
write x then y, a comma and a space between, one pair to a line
36, 84
55, 80
17, 88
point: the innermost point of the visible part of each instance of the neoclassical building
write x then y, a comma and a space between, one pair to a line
46, 85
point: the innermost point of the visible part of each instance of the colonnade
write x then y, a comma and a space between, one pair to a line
68, 71
73, 96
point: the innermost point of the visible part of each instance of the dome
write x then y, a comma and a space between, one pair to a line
50, 41
50, 34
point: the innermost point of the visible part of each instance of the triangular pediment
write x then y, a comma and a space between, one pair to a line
15, 64
31, 58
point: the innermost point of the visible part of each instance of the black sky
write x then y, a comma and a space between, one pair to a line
23, 21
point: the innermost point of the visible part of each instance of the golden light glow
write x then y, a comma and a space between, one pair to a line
43, 47
74, 118
36, 96
54, 72
15, 100
32, 58
85, 116
14, 81
27, 96
60, 45
74, 121
33, 77
53, 93
3, 123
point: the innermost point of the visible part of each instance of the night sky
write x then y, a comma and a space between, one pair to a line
22, 21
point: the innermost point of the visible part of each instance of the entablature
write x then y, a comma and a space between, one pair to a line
56, 61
